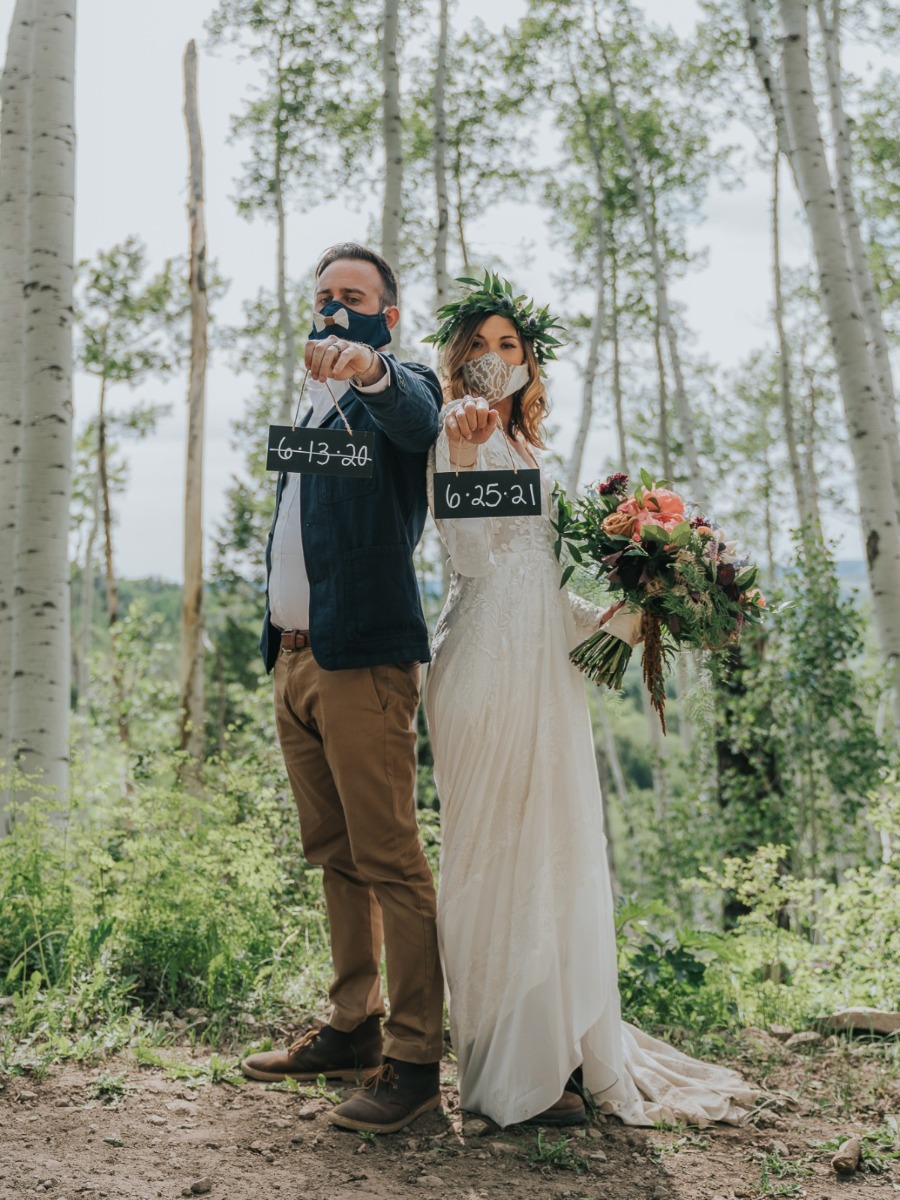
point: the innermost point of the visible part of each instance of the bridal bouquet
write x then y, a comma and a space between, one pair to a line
682, 575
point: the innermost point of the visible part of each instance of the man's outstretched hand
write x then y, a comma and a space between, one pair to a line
333, 358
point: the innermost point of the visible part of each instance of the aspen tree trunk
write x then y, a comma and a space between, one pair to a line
846, 196
14, 170
598, 322
598, 325
285, 324
661, 287
83, 673
665, 447
191, 702
112, 587
682, 673
460, 224
756, 36
654, 733
868, 438
809, 418
442, 239
618, 405
805, 510
621, 787
609, 832
392, 134
112, 590
39, 726
441, 276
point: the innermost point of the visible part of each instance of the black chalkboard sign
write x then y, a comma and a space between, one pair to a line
320, 451
487, 494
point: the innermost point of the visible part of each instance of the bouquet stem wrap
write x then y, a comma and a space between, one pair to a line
603, 657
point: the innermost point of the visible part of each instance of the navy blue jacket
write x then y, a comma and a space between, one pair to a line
359, 534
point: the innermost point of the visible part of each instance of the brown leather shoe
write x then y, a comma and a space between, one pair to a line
325, 1051
568, 1110
391, 1098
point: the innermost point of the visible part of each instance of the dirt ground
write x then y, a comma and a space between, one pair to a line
125, 1130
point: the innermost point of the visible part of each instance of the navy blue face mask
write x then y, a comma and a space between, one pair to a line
336, 319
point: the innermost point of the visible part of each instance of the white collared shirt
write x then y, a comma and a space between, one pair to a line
288, 580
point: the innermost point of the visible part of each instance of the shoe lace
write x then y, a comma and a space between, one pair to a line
385, 1074
304, 1040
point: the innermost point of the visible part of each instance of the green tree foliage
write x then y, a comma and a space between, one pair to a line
797, 751
309, 122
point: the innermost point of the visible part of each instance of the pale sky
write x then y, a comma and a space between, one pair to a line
132, 164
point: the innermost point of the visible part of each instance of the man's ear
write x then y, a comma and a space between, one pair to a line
392, 316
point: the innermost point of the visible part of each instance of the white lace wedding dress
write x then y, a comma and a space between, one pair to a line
525, 916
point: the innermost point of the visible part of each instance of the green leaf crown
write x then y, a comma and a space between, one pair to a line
495, 295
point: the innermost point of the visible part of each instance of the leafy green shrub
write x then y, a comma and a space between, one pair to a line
666, 975
36, 897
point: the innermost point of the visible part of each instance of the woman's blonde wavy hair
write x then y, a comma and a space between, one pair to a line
529, 404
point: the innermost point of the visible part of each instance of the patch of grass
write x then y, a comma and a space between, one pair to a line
111, 1089
688, 1142
547, 1157
773, 1165
214, 1070
880, 1147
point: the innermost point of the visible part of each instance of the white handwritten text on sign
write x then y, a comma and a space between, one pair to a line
319, 451
487, 494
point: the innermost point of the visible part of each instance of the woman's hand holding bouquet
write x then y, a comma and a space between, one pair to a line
679, 572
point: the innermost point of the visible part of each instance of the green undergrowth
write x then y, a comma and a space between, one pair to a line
161, 915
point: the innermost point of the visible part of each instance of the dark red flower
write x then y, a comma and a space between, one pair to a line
615, 484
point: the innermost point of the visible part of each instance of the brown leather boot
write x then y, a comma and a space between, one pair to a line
325, 1051
391, 1098
568, 1110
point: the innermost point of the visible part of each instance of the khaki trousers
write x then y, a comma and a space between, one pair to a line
349, 745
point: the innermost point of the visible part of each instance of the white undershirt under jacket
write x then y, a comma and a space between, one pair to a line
288, 581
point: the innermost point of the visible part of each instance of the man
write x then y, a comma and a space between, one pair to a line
345, 633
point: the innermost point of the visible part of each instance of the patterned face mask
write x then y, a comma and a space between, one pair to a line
491, 377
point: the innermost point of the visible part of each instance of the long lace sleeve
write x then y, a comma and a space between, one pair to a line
586, 615
468, 541
623, 624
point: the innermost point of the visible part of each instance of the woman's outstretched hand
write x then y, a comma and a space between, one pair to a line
473, 421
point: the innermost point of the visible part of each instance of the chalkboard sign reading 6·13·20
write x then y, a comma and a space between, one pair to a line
320, 451
487, 494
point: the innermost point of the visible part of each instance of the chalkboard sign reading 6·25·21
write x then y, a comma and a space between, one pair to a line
319, 451
487, 494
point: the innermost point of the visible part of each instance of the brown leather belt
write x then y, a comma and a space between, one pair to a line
295, 639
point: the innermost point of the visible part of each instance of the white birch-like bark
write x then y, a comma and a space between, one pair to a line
802, 494
14, 172
442, 235
191, 704
829, 23
598, 321
285, 321
768, 76
112, 589
592, 362
868, 438
391, 124
700, 494
621, 789
662, 387
461, 225
83, 660
40, 698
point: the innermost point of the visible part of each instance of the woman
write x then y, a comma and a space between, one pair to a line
525, 918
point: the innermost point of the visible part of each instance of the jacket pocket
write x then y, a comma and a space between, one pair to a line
382, 594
